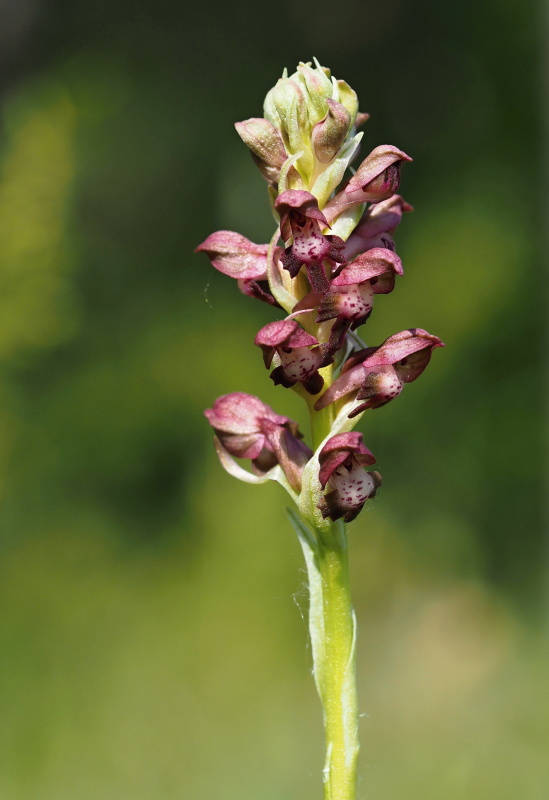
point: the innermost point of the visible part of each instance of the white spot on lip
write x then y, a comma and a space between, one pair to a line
300, 363
353, 486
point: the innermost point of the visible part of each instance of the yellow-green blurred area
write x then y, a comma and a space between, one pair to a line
153, 637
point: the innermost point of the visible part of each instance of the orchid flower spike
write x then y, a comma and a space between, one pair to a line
337, 227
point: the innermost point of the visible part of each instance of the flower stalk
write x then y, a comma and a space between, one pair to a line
331, 254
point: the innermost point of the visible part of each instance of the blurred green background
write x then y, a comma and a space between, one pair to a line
153, 638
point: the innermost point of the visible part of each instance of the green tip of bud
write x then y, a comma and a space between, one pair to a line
348, 98
319, 89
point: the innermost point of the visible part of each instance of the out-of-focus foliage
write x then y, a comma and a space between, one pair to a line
152, 631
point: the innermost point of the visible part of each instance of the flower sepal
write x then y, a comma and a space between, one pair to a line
236, 256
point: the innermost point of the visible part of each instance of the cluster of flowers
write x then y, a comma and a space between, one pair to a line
337, 227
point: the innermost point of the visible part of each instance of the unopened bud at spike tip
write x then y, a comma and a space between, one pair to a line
319, 90
265, 144
330, 133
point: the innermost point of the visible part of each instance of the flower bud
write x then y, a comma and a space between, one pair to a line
265, 144
330, 133
286, 108
319, 89
290, 101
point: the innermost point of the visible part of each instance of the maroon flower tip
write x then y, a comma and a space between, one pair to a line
296, 207
295, 199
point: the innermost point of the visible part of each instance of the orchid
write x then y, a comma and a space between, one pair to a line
246, 427
341, 467
332, 252
350, 296
301, 220
377, 226
378, 374
299, 362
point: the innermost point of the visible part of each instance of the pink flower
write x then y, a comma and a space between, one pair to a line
377, 226
298, 352
341, 469
248, 428
378, 374
350, 297
377, 178
302, 220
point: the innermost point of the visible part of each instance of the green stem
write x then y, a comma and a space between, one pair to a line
333, 632
337, 684
321, 421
